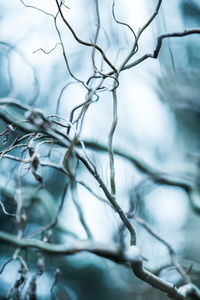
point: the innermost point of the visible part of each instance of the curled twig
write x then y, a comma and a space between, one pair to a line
83, 42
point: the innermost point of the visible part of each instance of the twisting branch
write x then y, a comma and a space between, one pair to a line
112, 200
130, 255
41, 124
157, 49
185, 277
64, 53
124, 24
97, 31
61, 93
142, 166
37, 8
36, 84
166, 287
159, 45
156, 175
83, 42
110, 144
140, 31
4, 210
79, 209
45, 51
55, 219
87, 187
36, 129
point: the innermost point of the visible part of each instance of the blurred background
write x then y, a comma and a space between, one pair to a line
158, 111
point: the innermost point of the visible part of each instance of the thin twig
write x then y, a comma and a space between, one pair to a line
112, 200
83, 42
159, 45
4, 210
79, 209
110, 144
47, 52
185, 277
124, 24
140, 31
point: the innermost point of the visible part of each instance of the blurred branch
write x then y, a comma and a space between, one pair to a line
79, 209
16, 288
45, 51
36, 84
4, 210
141, 165
56, 279
104, 250
86, 186
184, 275
124, 24
96, 2
188, 290
61, 93
64, 53
55, 219
156, 175
113, 252
36, 8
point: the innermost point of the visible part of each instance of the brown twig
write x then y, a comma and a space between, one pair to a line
83, 42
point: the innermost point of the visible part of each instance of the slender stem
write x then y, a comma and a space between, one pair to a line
141, 30
110, 144
83, 42
111, 198
159, 45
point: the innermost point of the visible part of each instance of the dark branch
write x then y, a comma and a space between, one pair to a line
159, 45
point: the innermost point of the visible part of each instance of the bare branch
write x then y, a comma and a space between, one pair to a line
159, 45
185, 277
112, 200
79, 209
47, 52
130, 255
141, 165
85, 43
110, 144
124, 24
140, 31
4, 210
